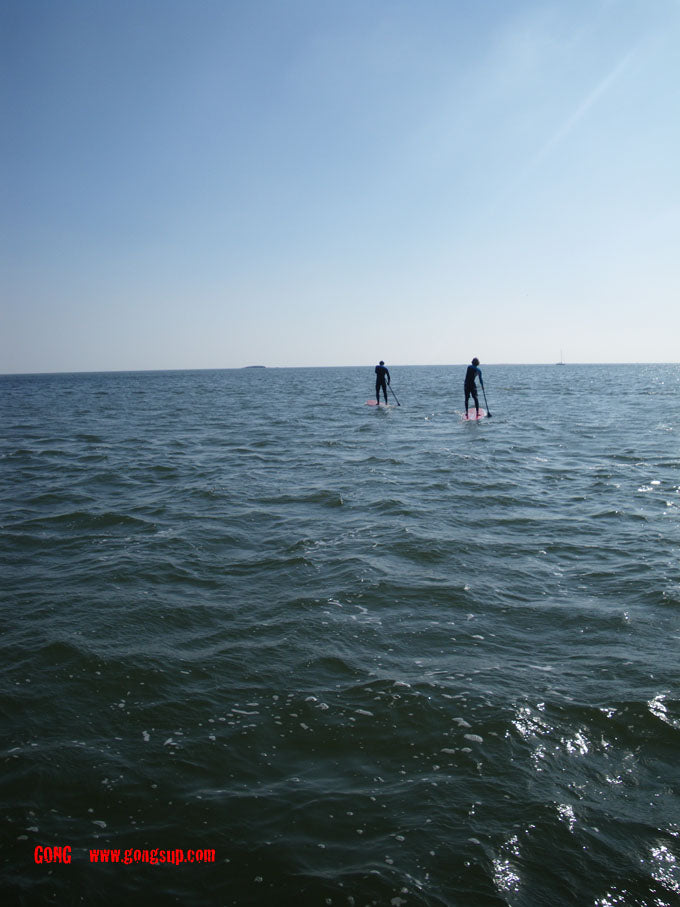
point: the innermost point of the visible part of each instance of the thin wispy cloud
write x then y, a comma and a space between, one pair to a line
571, 122
584, 107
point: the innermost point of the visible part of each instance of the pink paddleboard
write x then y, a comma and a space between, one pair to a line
375, 403
472, 415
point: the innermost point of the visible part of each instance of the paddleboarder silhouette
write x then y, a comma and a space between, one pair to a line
382, 379
473, 371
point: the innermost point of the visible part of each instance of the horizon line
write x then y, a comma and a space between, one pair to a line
238, 368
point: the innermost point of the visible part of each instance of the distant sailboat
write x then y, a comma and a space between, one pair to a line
561, 362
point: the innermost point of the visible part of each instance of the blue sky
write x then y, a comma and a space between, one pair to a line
204, 184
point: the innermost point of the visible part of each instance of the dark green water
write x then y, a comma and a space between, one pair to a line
365, 656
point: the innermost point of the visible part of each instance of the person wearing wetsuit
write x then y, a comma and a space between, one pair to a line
382, 379
473, 371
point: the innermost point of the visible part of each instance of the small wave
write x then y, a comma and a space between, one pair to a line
393, 506
86, 520
265, 564
323, 497
423, 549
89, 438
333, 668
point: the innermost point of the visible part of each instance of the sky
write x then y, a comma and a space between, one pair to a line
220, 183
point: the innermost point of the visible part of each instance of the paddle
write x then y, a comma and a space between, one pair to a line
487, 405
394, 395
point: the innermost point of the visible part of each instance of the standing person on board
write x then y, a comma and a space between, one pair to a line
382, 379
473, 371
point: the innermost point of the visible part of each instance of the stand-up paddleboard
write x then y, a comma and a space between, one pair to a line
471, 415
375, 403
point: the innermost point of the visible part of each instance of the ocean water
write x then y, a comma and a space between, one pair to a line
365, 656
